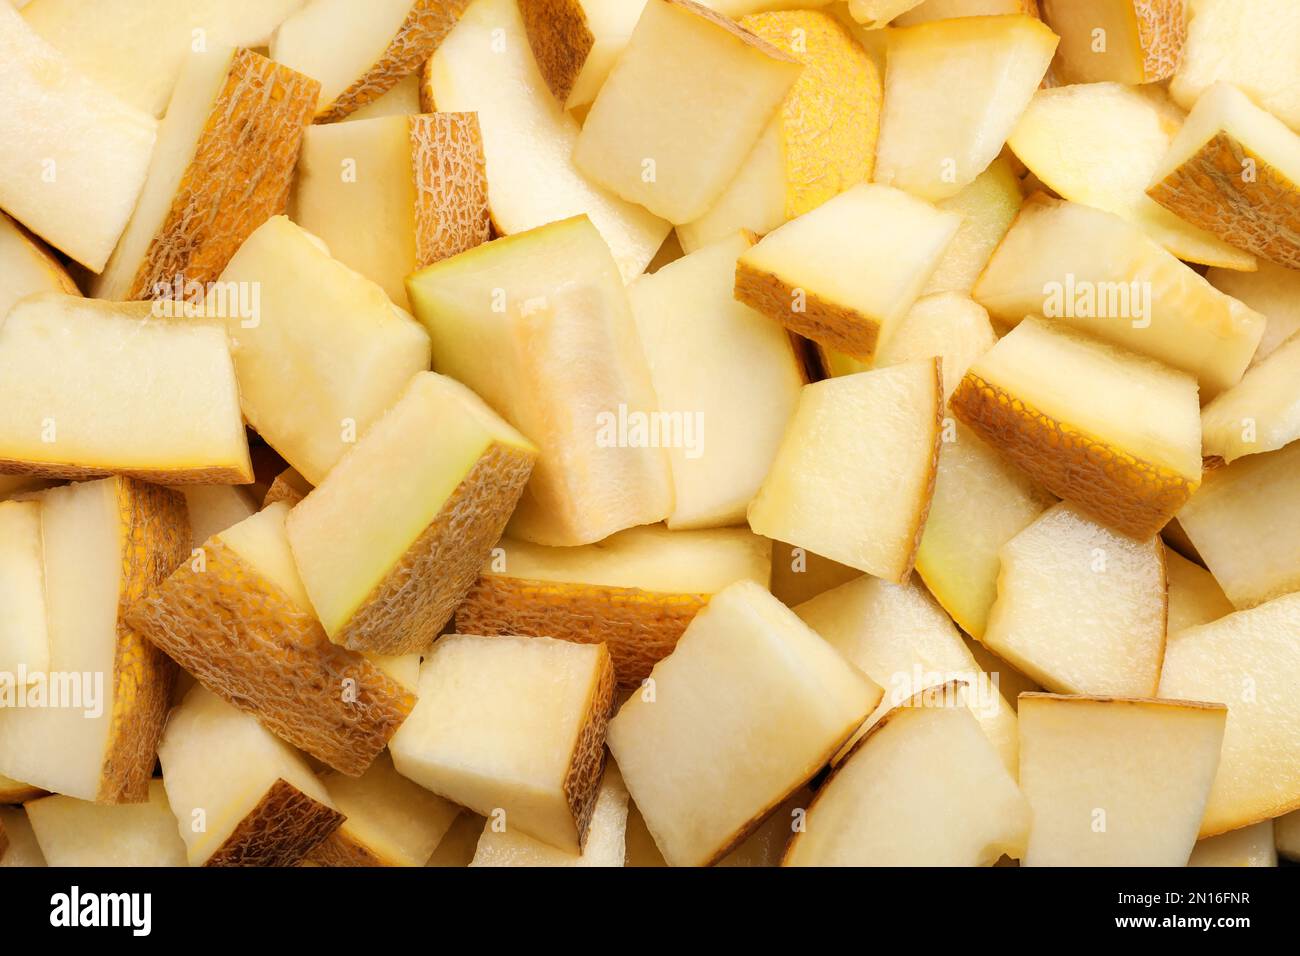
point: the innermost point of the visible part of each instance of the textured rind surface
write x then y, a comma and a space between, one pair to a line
639, 628
155, 540
284, 827
408, 609
170, 476
451, 198
283, 488
1118, 489
240, 175
1161, 29
341, 849
424, 29
587, 766
1208, 190
827, 323
248, 642
560, 39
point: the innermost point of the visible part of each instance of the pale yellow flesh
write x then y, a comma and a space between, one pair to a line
23, 848
24, 627
611, 23
1261, 413
1272, 291
402, 100
1194, 596
987, 206
1100, 40
947, 9
26, 268
1249, 846
263, 544
948, 326
77, 833
214, 508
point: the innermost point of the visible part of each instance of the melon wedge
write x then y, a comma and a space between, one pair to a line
393, 194
402, 100
27, 267
1261, 413
74, 832
24, 629
1249, 846
514, 729
237, 617
214, 508
988, 206
577, 42
242, 796
1009, 681
800, 575
1194, 596
743, 713
947, 325
1127, 41
1272, 291
17, 839
1114, 781
1116, 433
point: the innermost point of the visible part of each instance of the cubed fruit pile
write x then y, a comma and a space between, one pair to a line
646, 432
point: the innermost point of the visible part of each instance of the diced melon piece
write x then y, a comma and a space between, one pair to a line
485, 66
828, 278
1128, 41
393, 194
72, 155
766, 845
106, 544
1249, 661
289, 486
988, 206
635, 591
665, 130
27, 267
725, 373
1080, 608
947, 325
242, 796
1116, 433
238, 618
1194, 596
515, 320
1272, 291
744, 712
1091, 270
853, 478
74, 832
513, 728
1287, 831
924, 787
1114, 781
19, 842
800, 575
577, 42
214, 508
24, 631
947, 9
874, 14
321, 353
1260, 413
402, 100
1249, 846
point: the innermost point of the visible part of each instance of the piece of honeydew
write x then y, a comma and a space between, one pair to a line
1116, 433
923, 787
662, 131
1194, 596
1234, 170
1091, 270
953, 92
636, 591
518, 116
1248, 846
988, 206
1245, 523
947, 9
605, 845
513, 728
72, 155
948, 325
727, 379
1272, 291
1286, 829
874, 14
214, 508
750, 705
15, 791
24, 629
106, 544
899, 637
515, 319
854, 474
74, 406
223, 164
1250, 661
391, 195
1080, 608
800, 575
577, 42
1116, 781
1250, 45
241, 795
27, 267
293, 313
1099, 144
821, 141
389, 543
1261, 413
74, 832
1125, 41
289, 486
237, 617
402, 100
1011, 682
390, 820
18, 846
845, 287
359, 53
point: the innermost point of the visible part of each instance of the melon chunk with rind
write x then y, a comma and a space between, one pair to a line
1125, 41
1261, 413
1248, 846
27, 267
24, 629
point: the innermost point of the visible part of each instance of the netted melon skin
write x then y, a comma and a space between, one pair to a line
451, 203
587, 767
342, 849
284, 827
825, 322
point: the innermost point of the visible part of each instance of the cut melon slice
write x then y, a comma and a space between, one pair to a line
27, 267
826, 277
391, 195
18, 846
1272, 291
299, 312
947, 325
744, 712
242, 796
1127, 41
1249, 846
924, 787
800, 575
238, 618
1116, 433
214, 508
1194, 596
24, 630
1261, 413
987, 206
72, 155
73, 832
1081, 609
388, 544
663, 132
577, 42
106, 544
514, 320
519, 117
514, 729
1009, 681
730, 377
853, 478
402, 100
1249, 661
1116, 782
930, 10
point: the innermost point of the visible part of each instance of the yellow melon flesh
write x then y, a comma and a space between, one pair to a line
947, 9
402, 100
1128, 41
987, 206
1249, 846
946, 325
1261, 413
77, 833
1194, 596
24, 630
800, 575
1272, 291
27, 267
577, 42
214, 508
